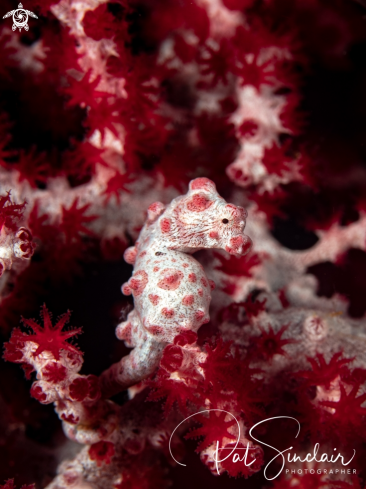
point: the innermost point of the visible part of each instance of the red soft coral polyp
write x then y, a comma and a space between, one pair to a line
70, 418
79, 389
54, 372
102, 452
50, 338
172, 358
37, 392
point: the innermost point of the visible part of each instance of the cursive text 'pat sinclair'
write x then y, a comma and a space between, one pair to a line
281, 455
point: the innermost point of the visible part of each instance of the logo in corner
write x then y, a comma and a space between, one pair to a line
20, 18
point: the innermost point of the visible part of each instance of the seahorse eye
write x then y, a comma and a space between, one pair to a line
225, 221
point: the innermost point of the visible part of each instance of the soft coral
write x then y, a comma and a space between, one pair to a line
214, 429
10, 212
48, 338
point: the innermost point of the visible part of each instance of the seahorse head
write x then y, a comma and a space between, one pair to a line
202, 219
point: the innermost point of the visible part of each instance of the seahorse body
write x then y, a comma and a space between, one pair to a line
170, 289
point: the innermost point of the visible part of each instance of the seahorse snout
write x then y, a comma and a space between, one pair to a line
239, 245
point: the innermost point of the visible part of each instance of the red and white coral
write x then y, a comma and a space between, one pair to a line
15, 242
126, 101
57, 363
